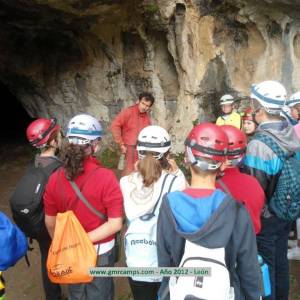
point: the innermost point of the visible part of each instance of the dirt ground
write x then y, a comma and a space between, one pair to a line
25, 283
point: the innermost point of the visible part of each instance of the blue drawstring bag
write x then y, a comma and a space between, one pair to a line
13, 243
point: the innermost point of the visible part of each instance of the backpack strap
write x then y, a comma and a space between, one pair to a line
170, 186
86, 202
47, 170
231, 266
161, 191
169, 189
30, 248
148, 216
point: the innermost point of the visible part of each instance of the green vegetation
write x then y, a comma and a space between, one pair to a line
179, 158
152, 8
109, 158
195, 122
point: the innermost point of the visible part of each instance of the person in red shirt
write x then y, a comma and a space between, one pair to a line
126, 127
242, 187
100, 187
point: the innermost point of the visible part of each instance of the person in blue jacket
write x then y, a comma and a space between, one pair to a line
210, 221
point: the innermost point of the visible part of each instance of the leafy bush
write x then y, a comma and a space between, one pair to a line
179, 158
109, 158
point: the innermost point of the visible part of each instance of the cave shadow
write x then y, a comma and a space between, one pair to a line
13, 121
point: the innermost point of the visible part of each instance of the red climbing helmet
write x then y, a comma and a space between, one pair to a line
237, 142
39, 131
206, 140
248, 114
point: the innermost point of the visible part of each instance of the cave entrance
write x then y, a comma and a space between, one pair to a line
14, 119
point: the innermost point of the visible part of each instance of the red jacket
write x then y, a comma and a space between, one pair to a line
127, 125
246, 189
101, 189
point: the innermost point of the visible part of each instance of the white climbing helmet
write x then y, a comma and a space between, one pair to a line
226, 99
153, 139
83, 129
294, 99
270, 94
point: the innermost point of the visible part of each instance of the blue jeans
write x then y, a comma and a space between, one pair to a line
101, 288
272, 245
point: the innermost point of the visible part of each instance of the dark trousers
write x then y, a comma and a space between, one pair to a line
52, 290
272, 244
143, 290
101, 288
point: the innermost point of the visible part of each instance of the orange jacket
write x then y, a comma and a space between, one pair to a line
127, 125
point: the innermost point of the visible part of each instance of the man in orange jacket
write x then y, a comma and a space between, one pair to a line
127, 125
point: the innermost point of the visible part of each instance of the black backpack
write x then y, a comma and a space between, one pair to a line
27, 200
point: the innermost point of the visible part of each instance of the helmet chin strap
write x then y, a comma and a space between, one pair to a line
157, 157
235, 162
201, 164
273, 112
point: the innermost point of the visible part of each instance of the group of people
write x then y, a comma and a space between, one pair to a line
229, 116
222, 212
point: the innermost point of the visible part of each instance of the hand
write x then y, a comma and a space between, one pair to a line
123, 149
173, 166
136, 165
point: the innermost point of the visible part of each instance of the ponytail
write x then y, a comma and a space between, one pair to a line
73, 157
150, 169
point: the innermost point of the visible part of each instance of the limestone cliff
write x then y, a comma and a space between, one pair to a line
64, 57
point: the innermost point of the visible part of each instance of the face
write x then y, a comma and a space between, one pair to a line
227, 108
249, 127
144, 105
96, 146
294, 113
57, 141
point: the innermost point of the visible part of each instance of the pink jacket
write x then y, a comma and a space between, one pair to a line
297, 129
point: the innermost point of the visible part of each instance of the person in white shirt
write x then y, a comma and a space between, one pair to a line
143, 190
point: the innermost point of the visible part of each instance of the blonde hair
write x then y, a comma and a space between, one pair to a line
150, 169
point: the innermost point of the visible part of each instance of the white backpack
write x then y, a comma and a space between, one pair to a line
140, 237
214, 287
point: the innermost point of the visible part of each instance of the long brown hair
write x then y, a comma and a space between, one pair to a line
150, 169
73, 157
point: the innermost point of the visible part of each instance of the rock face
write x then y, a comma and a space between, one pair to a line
64, 57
